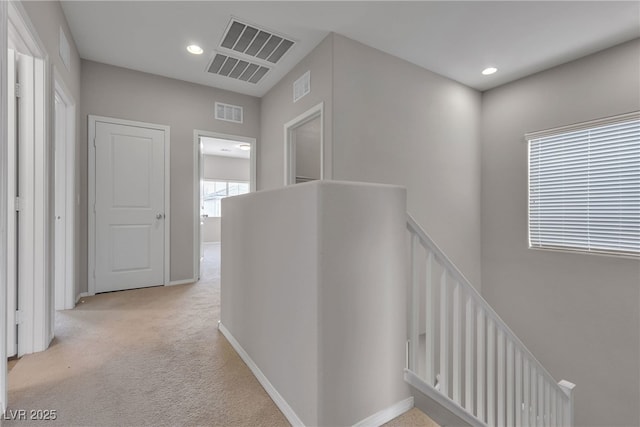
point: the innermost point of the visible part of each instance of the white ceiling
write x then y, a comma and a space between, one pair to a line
456, 39
223, 147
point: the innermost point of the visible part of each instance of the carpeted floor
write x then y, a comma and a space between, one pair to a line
147, 357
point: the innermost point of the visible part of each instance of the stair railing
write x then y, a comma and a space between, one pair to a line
460, 350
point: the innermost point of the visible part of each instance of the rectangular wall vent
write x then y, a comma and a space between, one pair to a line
229, 113
302, 86
235, 68
255, 42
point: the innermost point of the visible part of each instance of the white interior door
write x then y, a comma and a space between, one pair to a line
129, 207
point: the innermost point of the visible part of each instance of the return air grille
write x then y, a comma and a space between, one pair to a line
255, 42
235, 68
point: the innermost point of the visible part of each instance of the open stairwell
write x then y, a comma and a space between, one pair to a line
464, 364
349, 314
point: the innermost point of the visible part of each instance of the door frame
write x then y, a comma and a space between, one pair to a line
197, 171
92, 195
35, 296
3, 207
67, 260
289, 146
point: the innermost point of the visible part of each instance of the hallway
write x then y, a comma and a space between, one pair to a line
148, 356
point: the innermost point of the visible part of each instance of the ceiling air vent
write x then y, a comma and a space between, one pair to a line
235, 68
255, 42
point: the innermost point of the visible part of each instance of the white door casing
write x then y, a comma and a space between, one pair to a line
60, 229
64, 191
11, 338
3, 206
129, 206
290, 146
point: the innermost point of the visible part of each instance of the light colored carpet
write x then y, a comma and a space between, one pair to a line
147, 357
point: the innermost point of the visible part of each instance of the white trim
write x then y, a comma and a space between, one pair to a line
387, 414
441, 399
583, 125
282, 404
91, 128
182, 282
70, 160
3, 208
82, 295
289, 148
197, 149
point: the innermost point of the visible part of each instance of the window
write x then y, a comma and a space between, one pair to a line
584, 187
214, 191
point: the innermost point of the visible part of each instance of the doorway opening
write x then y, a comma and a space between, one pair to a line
225, 167
304, 147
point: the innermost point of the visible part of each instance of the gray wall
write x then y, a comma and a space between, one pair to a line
223, 168
132, 95
277, 108
226, 168
579, 314
339, 309
397, 123
47, 17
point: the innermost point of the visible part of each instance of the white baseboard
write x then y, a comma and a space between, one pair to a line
282, 404
82, 295
181, 282
387, 414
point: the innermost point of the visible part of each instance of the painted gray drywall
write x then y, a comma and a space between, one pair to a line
121, 93
579, 314
47, 18
396, 123
226, 169
339, 308
362, 300
266, 307
277, 108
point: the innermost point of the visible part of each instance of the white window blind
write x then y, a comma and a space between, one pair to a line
584, 187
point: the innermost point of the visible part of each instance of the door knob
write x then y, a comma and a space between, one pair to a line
159, 216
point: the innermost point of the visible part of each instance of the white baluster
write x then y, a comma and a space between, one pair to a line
540, 401
526, 388
415, 304
430, 338
444, 335
559, 409
481, 368
553, 422
491, 374
501, 378
468, 366
457, 345
518, 396
547, 404
510, 378
534, 398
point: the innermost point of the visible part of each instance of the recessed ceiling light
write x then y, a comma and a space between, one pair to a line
244, 147
489, 70
195, 49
